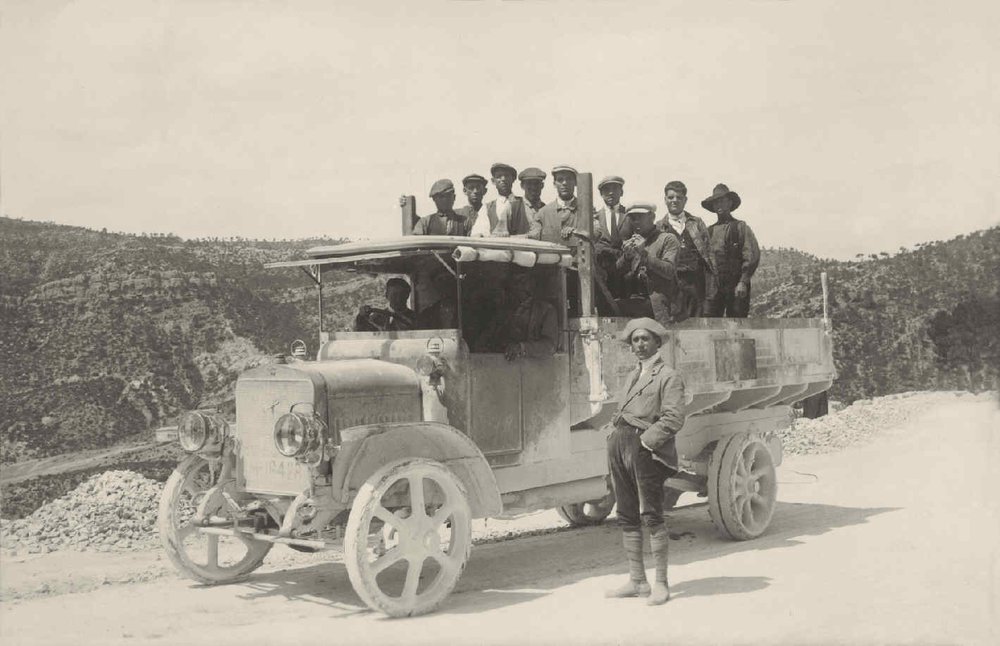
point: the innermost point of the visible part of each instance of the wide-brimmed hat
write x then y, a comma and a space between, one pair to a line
644, 323
720, 190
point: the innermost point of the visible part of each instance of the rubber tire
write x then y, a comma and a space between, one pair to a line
169, 538
576, 515
723, 478
359, 522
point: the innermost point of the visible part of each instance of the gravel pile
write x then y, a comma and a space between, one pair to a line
862, 420
111, 511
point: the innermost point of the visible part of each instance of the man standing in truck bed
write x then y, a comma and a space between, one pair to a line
443, 222
735, 254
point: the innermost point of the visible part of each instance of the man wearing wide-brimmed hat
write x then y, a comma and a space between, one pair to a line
642, 455
735, 255
444, 221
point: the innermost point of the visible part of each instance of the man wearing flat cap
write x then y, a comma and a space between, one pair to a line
557, 221
642, 455
735, 256
475, 188
647, 261
532, 182
443, 222
612, 214
693, 262
507, 216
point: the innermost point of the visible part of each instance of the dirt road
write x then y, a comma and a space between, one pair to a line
893, 542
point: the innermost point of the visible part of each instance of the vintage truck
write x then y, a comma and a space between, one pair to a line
390, 443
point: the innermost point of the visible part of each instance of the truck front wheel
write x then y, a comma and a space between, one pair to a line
742, 486
208, 558
408, 537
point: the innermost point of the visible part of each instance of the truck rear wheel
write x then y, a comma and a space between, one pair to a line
208, 558
742, 486
408, 537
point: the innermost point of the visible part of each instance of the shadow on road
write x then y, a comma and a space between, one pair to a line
522, 569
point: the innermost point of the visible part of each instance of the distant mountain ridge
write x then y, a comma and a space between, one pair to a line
106, 334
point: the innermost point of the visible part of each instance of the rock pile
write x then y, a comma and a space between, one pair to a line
114, 510
862, 420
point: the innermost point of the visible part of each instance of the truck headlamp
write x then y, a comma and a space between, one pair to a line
296, 434
198, 431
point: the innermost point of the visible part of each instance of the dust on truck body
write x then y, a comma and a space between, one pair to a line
389, 443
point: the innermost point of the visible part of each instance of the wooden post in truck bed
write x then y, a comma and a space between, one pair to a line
585, 250
409, 214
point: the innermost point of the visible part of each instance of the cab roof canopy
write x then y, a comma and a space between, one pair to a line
396, 253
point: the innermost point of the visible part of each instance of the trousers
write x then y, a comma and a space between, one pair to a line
637, 479
725, 303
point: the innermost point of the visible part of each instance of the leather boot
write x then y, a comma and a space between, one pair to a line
637, 586
659, 546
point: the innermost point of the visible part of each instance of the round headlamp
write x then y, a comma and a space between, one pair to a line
295, 434
192, 432
198, 431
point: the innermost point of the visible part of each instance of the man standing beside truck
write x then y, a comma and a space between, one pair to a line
642, 455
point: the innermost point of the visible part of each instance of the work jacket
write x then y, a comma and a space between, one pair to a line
695, 228
654, 403
550, 220
661, 279
734, 252
442, 224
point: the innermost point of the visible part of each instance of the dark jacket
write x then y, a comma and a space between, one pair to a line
695, 228
436, 224
654, 403
517, 224
658, 266
734, 252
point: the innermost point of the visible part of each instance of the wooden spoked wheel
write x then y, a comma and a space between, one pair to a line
742, 486
408, 537
208, 558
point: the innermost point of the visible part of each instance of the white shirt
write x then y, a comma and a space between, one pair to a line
503, 211
647, 365
678, 223
481, 227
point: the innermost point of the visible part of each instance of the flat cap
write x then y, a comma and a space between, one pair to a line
641, 208
500, 166
563, 168
442, 186
474, 177
610, 179
644, 323
531, 173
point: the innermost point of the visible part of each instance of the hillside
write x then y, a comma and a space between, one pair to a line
105, 335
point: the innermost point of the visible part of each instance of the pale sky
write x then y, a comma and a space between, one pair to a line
846, 126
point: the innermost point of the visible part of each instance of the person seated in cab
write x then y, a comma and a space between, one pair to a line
443, 314
526, 326
398, 317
